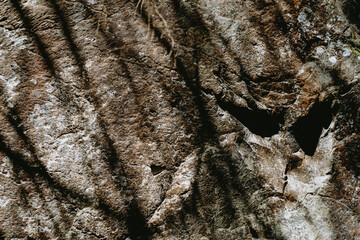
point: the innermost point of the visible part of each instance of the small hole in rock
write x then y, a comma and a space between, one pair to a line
258, 122
307, 130
156, 169
254, 234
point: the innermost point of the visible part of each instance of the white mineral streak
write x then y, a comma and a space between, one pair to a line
310, 218
31, 3
15, 42
270, 163
295, 225
312, 176
88, 220
64, 152
179, 190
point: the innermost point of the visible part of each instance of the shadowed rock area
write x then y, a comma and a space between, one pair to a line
179, 119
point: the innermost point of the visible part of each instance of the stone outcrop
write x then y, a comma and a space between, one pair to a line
179, 119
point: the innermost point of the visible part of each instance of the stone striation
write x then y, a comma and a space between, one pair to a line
179, 119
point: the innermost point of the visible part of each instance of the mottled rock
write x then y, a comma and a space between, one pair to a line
179, 119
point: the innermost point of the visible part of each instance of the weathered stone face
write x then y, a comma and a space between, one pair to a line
179, 119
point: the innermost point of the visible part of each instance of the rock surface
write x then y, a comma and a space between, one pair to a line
179, 119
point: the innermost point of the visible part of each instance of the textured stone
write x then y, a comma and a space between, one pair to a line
179, 119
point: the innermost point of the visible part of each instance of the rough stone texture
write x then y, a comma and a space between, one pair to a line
179, 119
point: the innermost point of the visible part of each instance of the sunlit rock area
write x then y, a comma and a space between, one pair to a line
180, 119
